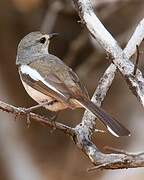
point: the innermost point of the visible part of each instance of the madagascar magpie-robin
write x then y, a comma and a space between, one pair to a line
50, 82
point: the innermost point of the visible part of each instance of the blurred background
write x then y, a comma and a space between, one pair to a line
35, 153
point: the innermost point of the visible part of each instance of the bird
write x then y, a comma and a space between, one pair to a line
53, 84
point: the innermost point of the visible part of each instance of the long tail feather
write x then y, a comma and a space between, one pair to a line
113, 126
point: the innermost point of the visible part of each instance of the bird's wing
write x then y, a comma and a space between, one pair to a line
52, 71
49, 85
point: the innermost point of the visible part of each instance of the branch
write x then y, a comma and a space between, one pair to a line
85, 129
120, 161
105, 39
106, 80
103, 161
18, 111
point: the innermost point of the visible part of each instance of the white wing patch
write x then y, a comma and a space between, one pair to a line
35, 75
25, 69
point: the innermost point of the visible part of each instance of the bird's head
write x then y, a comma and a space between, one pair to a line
32, 45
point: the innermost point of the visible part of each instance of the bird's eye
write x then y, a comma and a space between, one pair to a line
43, 40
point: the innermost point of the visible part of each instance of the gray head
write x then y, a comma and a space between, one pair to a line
33, 45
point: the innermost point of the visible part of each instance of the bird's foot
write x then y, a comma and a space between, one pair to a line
26, 111
53, 120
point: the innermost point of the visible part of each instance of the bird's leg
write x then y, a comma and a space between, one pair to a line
28, 121
28, 110
53, 119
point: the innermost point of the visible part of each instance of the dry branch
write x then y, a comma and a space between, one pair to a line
105, 39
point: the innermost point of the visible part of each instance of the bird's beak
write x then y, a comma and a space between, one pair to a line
51, 36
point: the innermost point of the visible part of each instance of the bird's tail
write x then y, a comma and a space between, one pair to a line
113, 126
